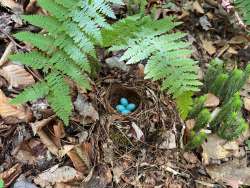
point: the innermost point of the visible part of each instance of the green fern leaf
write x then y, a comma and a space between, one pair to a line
184, 104
168, 56
48, 23
59, 96
40, 41
33, 59
39, 90
55, 9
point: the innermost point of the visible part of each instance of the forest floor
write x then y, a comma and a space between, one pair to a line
101, 148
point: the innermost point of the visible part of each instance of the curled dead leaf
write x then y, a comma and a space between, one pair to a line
7, 110
211, 100
217, 148
11, 174
17, 76
234, 173
55, 174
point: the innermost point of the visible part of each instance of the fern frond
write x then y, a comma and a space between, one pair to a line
54, 9
48, 23
184, 104
59, 96
40, 41
32, 93
32, 59
167, 53
73, 29
66, 3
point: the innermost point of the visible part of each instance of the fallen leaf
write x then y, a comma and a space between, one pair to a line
100, 177
6, 53
117, 172
12, 5
37, 128
169, 141
80, 155
190, 157
234, 173
55, 174
114, 62
208, 46
238, 39
11, 174
197, 7
17, 76
86, 110
216, 148
24, 184
8, 110
247, 103
231, 50
211, 100
205, 24
137, 132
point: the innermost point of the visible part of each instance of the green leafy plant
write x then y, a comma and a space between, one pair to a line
64, 50
197, 107
202, 120
228, 122
184, 104
1, 183
232, 127
224, 84
197, 138
167, 54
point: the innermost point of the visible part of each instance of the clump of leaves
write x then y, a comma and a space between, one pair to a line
63, 51
196, 139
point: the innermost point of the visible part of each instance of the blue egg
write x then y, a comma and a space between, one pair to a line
120, 108
124, 101
125, 112
131, 106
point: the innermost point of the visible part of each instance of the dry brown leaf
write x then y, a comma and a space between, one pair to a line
37, 128
6, 53
211, 100
53, 175
11, 174
12, 5
208, 46
197, 7
86, 110
8, 110
17, 76
238, 39
234, 173
247, 103
217, 148
190, 157
231, 50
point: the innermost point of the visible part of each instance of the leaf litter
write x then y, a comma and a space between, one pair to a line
103, 149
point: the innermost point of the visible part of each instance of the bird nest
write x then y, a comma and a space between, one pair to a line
155, 113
